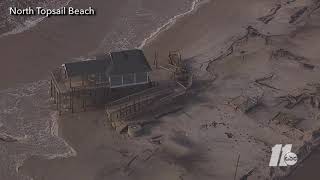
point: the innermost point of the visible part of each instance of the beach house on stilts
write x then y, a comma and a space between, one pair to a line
96, 81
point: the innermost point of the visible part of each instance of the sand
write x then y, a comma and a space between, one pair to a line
204, 140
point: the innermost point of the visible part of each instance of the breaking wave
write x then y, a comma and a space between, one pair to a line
195, 5
16, 24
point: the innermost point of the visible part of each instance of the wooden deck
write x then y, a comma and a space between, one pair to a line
127, 108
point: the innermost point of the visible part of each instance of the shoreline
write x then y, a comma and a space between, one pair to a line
195, 5
28, 24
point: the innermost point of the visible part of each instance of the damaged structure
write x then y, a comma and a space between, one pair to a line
98, 80
121, 81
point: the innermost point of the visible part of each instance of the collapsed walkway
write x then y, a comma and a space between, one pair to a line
122, 113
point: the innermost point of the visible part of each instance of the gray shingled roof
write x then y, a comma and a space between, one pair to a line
122, 62
129, 61
98, 65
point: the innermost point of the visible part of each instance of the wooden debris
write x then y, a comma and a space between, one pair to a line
261, 82
212, 124
245, 177
274, 117
148, 154
244, 103
156, 140
131, 161
282, 53
288, 119
315, 101
294, 100
229, 135
297, 15
7, 138
266, 19
120, 126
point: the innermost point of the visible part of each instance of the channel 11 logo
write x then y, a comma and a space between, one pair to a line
287, 158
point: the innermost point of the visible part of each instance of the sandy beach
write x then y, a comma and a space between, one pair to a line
230, 45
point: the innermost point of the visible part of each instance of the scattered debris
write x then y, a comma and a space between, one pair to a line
274, 117
120, 126
316, 134
312, 93
148, 154
297, 15
7, 138
157, 139
315, 101
131, 161
251, 32
260, 82
245, 177
294, 100
282, 53
229, 135
282, 118
267, 18
245, 103
212, 124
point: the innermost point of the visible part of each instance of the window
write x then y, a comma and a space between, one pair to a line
116, 80
128, 79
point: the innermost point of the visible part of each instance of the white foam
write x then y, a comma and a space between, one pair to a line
23, 27
28, 24
195, 5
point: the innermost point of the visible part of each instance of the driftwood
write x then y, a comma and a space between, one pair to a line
7, 138
245, 103
267, 18
131, 161
297, 15
296, 100
282, 118
212, 124
260, 82
156, 140
274, 117
245, 177
304, 62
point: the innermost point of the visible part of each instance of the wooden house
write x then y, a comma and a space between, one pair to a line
115, 70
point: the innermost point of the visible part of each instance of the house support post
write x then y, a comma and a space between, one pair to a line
50, 88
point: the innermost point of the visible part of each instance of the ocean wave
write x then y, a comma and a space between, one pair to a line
29, 123
195, 5
10, 25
